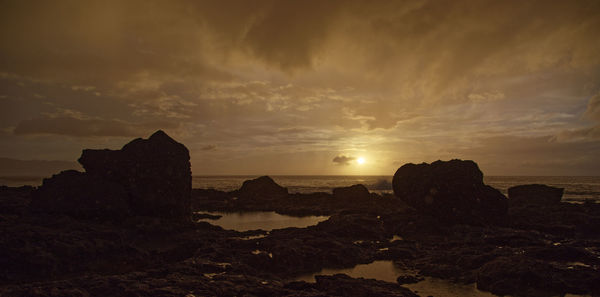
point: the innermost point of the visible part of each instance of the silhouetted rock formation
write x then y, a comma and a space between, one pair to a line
534, 194
451, 190
82, 196
351, 193
262, 189
147, 177
155, 172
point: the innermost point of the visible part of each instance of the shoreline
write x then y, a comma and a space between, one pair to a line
428, 246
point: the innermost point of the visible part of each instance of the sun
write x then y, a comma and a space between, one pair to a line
360, 160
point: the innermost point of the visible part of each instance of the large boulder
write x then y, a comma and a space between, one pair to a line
80, 195
450, 190
535, 194
351, 193
263, 188
147, 177
155, 172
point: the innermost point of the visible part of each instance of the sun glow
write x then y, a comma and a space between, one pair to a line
360, 160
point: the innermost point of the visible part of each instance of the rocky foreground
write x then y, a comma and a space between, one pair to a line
102, 233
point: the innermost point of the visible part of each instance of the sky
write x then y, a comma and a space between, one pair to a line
307, 87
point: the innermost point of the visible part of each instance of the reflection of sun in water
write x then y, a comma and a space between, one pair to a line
360, 160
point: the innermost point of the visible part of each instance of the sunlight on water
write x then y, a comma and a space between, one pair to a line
265, 220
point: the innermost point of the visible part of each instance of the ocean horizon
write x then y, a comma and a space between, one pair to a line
577, 188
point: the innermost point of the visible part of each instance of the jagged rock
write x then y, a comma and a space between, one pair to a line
14, 200
80, 195
351, 193
450, 190
155, 172
534, 194
262, 189
519, 275
357, 225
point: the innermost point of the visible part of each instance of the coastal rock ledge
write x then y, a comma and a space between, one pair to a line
535, 194
147, 177
449, 190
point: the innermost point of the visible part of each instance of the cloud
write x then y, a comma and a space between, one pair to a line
14, 167
501, 155
592, 133
209, 147
271, 76
593, 109
343, 160
582, 134
76, 127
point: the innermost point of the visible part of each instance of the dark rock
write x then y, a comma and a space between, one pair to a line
534, 194
506, 275
563, 253
563, 219
409, 279
80, 195
343, 285
262, 189
451, 190
351, 193
522, 276
155, 172
199, 216
358, 226
14, 200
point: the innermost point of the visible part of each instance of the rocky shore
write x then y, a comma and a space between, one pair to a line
125, 228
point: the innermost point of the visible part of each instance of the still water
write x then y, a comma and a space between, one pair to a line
387, 271
265, 220
430, 286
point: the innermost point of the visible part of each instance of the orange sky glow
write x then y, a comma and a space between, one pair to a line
307, 87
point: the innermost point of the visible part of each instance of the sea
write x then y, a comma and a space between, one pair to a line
577, 188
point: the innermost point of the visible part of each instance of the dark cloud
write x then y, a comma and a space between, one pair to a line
501, 155
343, 160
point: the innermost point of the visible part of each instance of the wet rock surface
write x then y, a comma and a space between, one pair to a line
535, 251
452, 190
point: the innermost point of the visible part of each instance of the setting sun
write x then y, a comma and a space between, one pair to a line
360, 160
